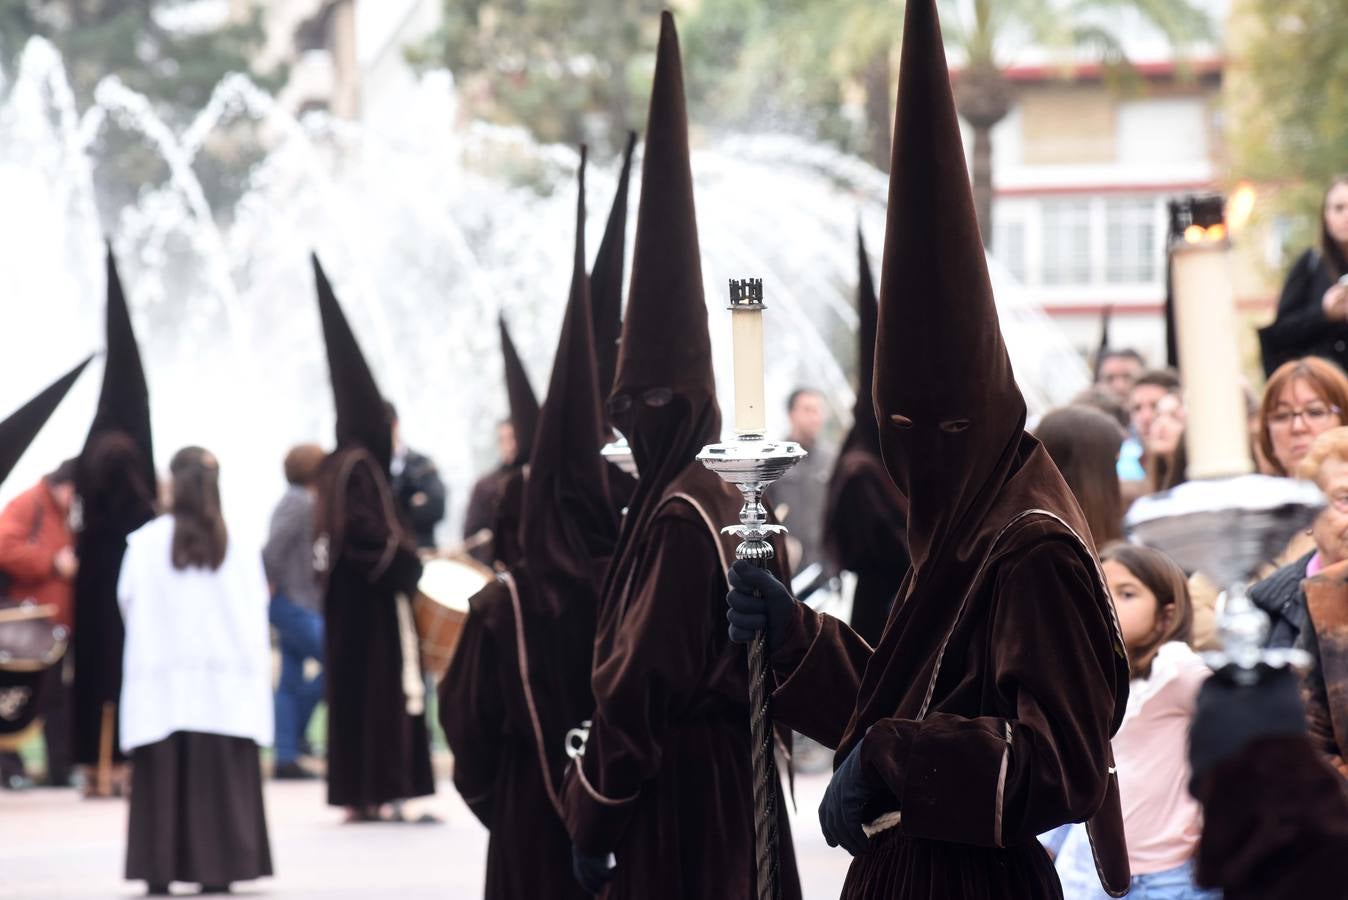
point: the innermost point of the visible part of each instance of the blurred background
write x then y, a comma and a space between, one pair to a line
426, 149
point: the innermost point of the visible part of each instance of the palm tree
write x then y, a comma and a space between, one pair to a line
980, 30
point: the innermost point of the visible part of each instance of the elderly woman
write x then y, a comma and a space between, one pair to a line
1318, 608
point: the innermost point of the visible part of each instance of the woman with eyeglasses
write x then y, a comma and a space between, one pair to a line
1302, 400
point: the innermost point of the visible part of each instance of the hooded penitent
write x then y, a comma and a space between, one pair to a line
20, 698
987, 707
520, 679
1105, 316
369, 567
362, 418
665, 781
116, 482
606, 280
520, 394
864, 518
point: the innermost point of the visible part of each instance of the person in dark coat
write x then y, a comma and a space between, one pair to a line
486, 546
665, 783
1312, 317
520, 678
984, 716
1281, 596
417, 488
865, 519
1275, 813
378, 746
22, 697
116, 485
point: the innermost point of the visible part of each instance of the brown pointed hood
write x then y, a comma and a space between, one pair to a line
523, 401
940, 361
606, 280
864, 434
664, 393
18, 431
568, 517
124, 401
362, 420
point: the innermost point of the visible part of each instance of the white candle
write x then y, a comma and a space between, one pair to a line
1217, 432
746, 328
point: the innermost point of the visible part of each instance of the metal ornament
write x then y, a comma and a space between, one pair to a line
1227, 528
751, 464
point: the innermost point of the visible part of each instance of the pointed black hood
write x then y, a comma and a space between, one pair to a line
362, 420
568, 518
18, 431
1106, 315
523, 400
606, 281
864, 434
124, 401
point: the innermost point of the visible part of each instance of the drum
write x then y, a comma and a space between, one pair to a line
441, 606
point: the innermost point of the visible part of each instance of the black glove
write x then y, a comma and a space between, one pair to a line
1231, 715
592, 872
757, 601
854, 796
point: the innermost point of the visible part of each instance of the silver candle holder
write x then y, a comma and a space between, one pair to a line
1227, 528
751, 463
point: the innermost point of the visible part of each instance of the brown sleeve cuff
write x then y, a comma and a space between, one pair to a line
949, 776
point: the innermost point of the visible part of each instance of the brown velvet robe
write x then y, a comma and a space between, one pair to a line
377, 751
1276, 824
508, 734
666, 782
1012, 741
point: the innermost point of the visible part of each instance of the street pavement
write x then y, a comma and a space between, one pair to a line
53, 844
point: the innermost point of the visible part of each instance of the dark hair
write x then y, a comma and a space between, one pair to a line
1123, 353
65, 472
199, 535
1169, 470
1084, 443
1162, 378
1329, 248
1167, 581
390, 413
302, 463
797, 394
1103, 400
1325, 378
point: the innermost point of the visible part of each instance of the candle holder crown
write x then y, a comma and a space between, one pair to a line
746, 293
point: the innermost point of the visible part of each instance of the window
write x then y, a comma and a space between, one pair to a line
1008, 245
1066, 241
1130, 241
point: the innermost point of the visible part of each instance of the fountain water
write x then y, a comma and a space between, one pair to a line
426, 233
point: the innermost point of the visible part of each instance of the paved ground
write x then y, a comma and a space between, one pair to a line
55, 845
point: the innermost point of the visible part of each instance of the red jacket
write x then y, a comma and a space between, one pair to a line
28, 556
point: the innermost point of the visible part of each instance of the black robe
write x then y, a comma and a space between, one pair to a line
114, 501
377, 750
866, 533
508, 734
666, 783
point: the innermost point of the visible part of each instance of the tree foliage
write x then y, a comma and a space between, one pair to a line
176, 68
1290, 103
568, 71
